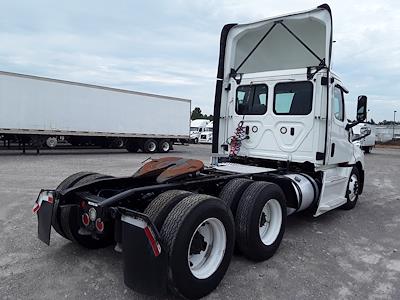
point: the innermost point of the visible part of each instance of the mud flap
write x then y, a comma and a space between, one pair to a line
45, 202
145, 262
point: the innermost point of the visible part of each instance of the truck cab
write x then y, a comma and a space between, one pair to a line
197, 127
206, 136
278, 103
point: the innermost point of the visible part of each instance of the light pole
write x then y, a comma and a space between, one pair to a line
394, 121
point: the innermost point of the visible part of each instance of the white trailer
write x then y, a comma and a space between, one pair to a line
39, 110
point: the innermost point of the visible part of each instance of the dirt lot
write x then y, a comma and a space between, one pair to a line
342, 254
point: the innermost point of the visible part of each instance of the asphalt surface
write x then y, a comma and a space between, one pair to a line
339, 255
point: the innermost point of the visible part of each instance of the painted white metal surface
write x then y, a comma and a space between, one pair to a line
243, 169
313, 27
29, 103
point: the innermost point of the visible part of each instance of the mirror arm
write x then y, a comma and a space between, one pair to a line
351, 125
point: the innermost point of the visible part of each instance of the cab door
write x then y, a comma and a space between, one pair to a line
341, 149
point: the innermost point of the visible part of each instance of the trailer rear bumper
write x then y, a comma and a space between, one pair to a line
145, 262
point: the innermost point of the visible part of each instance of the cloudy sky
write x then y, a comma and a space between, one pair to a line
171, 47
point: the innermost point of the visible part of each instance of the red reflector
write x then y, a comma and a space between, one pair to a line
82, 205
50, 199
85, 219
99, 225
35, 208
153, 243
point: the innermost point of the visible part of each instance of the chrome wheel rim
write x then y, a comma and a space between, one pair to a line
152, 147
165, 147
353, 187
270, 222
206, 248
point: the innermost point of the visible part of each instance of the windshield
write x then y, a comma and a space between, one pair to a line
209, 129
194, 128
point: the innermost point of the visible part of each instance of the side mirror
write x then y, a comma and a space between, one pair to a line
362, 108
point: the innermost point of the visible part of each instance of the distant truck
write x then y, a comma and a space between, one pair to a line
207, 135
368, 141
41, 111
196, 128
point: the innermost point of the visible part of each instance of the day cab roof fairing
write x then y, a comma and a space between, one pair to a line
286, 42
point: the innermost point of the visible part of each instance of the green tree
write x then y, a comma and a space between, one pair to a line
196, 113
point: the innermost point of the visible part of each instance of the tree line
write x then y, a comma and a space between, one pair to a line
197, 114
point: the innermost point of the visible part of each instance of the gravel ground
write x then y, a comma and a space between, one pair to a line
339, 255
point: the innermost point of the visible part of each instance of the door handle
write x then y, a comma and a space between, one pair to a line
332, 149
292, 131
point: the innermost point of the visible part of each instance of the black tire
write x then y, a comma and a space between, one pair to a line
132, 146
233, 191
70, 226
177, 231
196, 141
162, 205
60, 220
351, 202
249, 215
164, 146
150, 146
65, 184
368, 149
92, 177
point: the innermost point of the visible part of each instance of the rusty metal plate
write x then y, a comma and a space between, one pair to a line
168, 168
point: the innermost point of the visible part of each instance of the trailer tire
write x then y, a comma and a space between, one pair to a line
162, 205
164, 146
181, 237
352, 191
150, 146
233, 191
65, 184
260, 220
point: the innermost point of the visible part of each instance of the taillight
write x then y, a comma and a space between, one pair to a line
85, 219
99, 225
82, 205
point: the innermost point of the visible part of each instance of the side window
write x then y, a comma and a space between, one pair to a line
293, 98
251, 99
338, 104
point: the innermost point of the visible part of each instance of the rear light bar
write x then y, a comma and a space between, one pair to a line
43, 196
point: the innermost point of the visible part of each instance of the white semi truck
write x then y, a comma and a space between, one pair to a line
197, 127
206, 135
36, 110
281, 145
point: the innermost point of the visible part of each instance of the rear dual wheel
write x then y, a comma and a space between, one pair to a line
65, 219
198, 235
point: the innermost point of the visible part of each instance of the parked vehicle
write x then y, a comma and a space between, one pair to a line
281, 145
367, 143
41, 111
206, 135
196, 128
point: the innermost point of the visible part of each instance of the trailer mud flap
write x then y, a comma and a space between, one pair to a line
145, 262
44, 208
